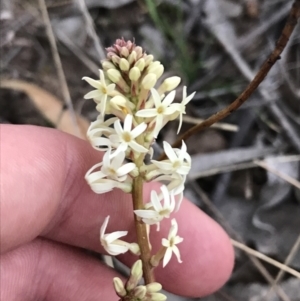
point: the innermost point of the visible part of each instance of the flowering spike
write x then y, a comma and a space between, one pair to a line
127, 88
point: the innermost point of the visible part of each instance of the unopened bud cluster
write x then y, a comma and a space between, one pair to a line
133, 291
138, 110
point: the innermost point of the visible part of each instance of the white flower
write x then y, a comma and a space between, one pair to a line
180, 107
155, 215
162, 109
99, 181
100, 128
171, 242
175, 186
111, 242
113, 169
102, 90
179, 161
125, 137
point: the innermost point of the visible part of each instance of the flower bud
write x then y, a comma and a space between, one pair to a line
124, 51
115, 59
169, 84
118, 102
140, 291
158, 297
154, 64
119, 287
108, 65
138, 50
132, 57
158, 70
134, 74
114, 75
136, 274
124, 65
140, 64
149, 59
134, 247
149, 81
153, 287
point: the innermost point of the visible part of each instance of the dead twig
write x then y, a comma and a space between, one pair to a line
288, 260
58, 65
261, 74
265, 258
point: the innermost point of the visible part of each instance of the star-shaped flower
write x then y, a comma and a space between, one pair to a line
156, 211
111, 242
179, 161
180, 107
125, 137
102, 90
162, 109
171, 242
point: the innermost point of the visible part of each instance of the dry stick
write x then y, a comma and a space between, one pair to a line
288, 260
261, 256
278, 173
58, 64
91, 29
232, 233
261, 74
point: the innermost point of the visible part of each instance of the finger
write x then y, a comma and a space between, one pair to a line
52, 198
43, 270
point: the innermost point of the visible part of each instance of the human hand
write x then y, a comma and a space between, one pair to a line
48, 213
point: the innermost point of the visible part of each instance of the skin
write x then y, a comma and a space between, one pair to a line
49, 214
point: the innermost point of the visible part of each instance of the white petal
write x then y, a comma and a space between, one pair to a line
165, 243
109, 238
115, 250
155, 201
102, 78
169, 110
180, 124
177, 240
118, 127
95, 177
93, 94
110, 88
177, 253
138, 130
169, 151
156, 97
188, 99
137, 147
100, 141
117, 161
114, 139
146, 113
106, 158
167, 257
183, 170
166, 196
105, 186
158, 125
125, 169
179, 201
163, 165
94, 83
128, 123
146, 213
103, 104
103, 227
169, 98
182, 151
